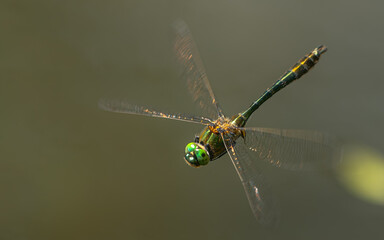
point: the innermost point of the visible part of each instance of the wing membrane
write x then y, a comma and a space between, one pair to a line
254, 183
292, 149
121, 106
193, 71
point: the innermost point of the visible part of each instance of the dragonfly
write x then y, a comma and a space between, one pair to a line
246, 146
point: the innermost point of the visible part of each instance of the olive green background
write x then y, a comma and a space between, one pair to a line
71, 171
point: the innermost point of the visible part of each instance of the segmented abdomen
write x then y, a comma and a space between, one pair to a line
307, 62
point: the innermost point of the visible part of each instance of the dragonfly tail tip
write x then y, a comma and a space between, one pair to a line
321, 49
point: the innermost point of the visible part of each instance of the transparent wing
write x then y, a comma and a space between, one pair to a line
254, 183
122, 106
292, 149
193, 71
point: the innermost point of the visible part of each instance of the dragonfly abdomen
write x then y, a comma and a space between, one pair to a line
307, 62
294, 73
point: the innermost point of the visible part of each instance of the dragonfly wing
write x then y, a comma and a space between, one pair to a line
254, 183
193, 71
122, 106
292, 149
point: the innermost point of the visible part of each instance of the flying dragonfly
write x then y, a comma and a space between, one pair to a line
291, 149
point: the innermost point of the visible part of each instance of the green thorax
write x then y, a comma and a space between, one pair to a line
211, 134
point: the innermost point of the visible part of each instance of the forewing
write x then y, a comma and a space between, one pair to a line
293, 149
255, 185
193, 71
121, 106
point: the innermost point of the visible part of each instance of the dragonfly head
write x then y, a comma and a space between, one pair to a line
196, 155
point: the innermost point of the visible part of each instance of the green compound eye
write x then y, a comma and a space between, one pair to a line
190, 147
191, 160
196, 155
202, 156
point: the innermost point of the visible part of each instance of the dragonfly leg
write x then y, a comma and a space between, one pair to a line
243, 134
197, 138
208, 148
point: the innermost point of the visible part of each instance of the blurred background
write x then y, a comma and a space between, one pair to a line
71, 171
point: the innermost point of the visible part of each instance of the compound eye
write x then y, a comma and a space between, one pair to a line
202, 156
191, 160
190, 148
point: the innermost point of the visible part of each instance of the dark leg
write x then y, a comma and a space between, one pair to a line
209, 150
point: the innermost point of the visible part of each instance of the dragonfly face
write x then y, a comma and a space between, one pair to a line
196, 155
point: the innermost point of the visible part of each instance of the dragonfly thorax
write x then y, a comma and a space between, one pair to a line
196, 155
221, 125
227, 126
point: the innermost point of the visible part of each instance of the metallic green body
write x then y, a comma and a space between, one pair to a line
214, 141
211, 135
